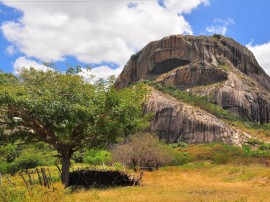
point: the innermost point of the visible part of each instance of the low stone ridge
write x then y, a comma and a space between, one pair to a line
213, 66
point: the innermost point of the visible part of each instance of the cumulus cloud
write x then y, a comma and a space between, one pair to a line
94, 32
105, 71
262, 53
23, 62
99, 72
220, 26
10, 50
183, 6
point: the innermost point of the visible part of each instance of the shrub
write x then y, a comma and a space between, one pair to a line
7, 168
97, 157
28, 161
92, 156
255, 153
21, 156
23, 162
142, 149
254, 141
217, 36
9, 152
179, 144
179, 158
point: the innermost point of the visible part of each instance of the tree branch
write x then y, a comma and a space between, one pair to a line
4, 123
35, 125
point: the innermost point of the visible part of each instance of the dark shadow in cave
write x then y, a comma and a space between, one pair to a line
168, 65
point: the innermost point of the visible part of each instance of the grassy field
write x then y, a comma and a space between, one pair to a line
191, 182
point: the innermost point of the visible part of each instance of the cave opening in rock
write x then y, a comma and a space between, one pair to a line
168, 65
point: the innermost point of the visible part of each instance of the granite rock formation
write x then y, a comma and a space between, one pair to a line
175, 121
189, 62
214, 66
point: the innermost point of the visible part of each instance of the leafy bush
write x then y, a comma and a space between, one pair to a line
255, 141
92, 156
23, 162
7, 168
217, 36
97, 157
9, 152
260, 149
20, 156
179, 144
28, 161
180, 158
248, 151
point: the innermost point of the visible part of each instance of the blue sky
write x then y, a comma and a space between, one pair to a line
251, 19
104, 34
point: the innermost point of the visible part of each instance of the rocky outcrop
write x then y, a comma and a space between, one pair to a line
191, 76
244, 98
175, 121
214, 66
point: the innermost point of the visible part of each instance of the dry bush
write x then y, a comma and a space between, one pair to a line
142, 149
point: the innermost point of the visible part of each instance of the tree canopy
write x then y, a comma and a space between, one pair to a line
67, 112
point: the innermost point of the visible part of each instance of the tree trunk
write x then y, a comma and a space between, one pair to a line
134, 164
66, 155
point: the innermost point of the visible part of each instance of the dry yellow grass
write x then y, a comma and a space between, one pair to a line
200, 182
211, 183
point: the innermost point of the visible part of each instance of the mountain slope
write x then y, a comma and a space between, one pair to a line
217, 67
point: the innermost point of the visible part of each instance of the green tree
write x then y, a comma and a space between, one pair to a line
67, 112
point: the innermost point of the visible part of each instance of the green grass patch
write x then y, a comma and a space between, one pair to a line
219, 153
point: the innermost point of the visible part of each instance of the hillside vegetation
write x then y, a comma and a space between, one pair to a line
205, 103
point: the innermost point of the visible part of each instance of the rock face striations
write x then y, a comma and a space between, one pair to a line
215, 66
176, 121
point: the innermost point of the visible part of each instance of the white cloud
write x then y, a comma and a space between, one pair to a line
220, 26
10, 50
262, 53
183, 6
105, 71
100, 72
96, 32
23, 62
